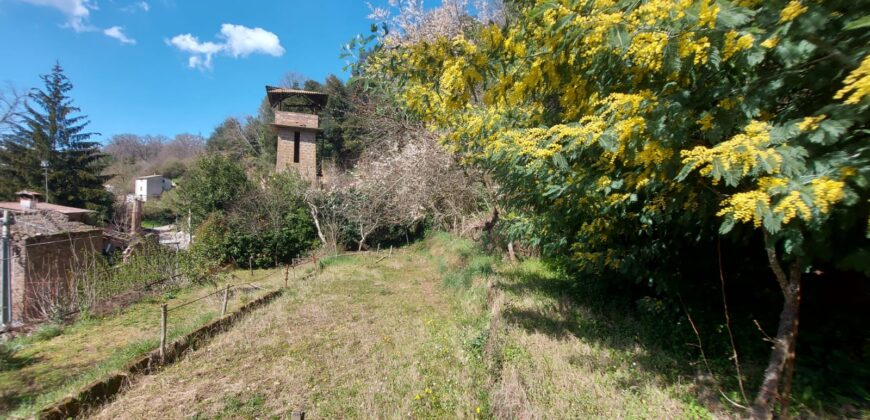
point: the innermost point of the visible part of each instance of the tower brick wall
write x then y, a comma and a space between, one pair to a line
287, 125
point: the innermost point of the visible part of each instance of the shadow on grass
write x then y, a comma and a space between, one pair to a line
566, 308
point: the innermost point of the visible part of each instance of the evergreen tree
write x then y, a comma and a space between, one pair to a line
51, 131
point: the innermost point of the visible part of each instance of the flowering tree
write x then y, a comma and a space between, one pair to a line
620, 127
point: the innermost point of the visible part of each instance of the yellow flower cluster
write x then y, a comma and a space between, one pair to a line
651, 12
748, 3
729, 103
652, 154
647, 50
699, 48
857, 83
772, 184
811, 123
746, 207
771, 42
734, 43
826, 192
793, 205
708, 13
706, 121
597, 25
792, 10
743, 151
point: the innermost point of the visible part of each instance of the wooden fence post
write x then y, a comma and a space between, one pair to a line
379, 248
297, 415
287, 274
163, 321
391, 250
226, 299
251, 264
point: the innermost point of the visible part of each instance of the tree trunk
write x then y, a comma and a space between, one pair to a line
313, 211
784, 343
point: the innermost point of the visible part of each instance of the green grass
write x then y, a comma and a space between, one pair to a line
421, 335
151, 224
54, 361
363, 338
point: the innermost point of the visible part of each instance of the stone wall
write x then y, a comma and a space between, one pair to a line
296, 119
307, 165
41, 268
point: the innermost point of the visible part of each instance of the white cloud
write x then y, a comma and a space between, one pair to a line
242, 41
238, 41
136, 7
76, 11
201, 52
117, 32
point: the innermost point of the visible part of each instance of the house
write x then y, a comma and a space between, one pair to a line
151, 187
297, 131
29, 201
45, 247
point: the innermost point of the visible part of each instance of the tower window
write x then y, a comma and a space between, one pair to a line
296, 147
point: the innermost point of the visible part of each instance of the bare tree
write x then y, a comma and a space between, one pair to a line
11, 101
294, 80
409, 22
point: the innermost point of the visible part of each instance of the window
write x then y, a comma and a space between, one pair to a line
296, 147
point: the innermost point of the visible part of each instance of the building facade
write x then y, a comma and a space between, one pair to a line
30, 202
152, 186
46, 246
296, 125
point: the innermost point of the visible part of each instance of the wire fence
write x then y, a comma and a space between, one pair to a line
165, 309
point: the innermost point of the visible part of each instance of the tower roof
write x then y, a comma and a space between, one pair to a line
316, 100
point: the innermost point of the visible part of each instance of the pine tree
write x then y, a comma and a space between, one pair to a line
51, 131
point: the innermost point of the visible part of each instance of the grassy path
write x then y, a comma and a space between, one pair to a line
54, 361
361, 340
436, 331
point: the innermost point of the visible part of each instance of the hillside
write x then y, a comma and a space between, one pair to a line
436, 330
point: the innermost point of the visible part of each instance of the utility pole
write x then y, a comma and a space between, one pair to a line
44, 165
7, 270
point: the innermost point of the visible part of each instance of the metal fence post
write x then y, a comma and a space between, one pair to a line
7, 221
226, 299
163, 322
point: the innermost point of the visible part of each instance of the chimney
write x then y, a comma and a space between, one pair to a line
27, 200
136, 217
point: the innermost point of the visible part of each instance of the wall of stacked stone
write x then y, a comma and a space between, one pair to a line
307, 165
43, 264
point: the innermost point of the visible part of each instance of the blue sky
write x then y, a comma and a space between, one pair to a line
143, 67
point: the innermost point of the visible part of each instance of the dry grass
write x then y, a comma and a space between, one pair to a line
40, 371
436, 331
360, 340
556, 356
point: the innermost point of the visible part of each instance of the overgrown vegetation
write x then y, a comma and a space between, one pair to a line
397, 337
57, 359
665, 149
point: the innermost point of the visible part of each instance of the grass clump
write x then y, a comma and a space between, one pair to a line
55, 360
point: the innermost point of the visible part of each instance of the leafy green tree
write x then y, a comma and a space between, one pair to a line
231, 138
625, 134
268, 225
51, 132
212, 185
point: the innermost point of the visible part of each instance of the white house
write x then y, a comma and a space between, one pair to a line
152, 186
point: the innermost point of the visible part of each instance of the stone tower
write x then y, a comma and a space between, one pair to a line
296, 124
